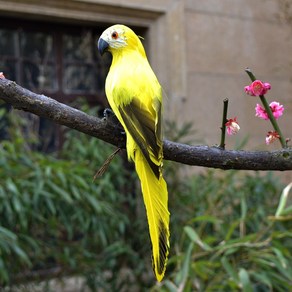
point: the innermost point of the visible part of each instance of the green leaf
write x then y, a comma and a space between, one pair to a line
16, 204
184, 272
5, 233
94, 203
75, 192
4, 277
59, 191
60, 174
170, 286
262, 278
21, 254
243, 206
11, 186
231, 229
229, 269
245, 281
82, 182
195, 238
283, 200
287, 211
280, 257
283, 270
2, 193
206, 218
51, 206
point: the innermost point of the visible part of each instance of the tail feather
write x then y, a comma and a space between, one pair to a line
155, 199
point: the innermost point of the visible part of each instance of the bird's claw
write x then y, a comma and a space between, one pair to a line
108, 113
110, 117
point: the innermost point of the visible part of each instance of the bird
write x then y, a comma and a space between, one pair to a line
135, 96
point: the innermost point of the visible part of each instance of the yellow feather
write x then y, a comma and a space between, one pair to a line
155, 198
135, 96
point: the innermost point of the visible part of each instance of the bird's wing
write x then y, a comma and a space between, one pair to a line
144, 125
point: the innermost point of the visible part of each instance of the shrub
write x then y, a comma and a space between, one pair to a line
55, 221
230, 240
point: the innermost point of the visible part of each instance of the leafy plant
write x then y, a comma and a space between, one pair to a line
229, 232
55, 218
229, 241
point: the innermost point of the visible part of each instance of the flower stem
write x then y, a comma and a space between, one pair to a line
224, 120
269, 111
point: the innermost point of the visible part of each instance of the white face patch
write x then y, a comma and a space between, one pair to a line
115, 37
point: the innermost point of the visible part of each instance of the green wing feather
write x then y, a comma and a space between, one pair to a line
142, 126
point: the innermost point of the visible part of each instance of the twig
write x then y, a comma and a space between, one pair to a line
269, 111
224, 120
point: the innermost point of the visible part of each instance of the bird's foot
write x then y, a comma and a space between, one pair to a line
110, 117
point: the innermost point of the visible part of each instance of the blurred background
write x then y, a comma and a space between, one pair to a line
59, 231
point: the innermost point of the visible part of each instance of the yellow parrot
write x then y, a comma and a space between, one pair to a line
135, 97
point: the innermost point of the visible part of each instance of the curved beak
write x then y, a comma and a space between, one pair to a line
102, 46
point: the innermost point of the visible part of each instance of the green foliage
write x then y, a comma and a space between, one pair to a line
230, 241
54, 217
230, 231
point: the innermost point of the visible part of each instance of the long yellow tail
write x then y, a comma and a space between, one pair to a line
155, 198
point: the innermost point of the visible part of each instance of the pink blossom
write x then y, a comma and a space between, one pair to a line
276, 108
261, 112
2, 75
271, 137
257, 88
232, 126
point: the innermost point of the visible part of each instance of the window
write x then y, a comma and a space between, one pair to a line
58, 60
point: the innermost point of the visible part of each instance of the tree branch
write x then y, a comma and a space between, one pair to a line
213, 157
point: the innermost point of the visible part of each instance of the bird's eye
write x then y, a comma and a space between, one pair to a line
115, 35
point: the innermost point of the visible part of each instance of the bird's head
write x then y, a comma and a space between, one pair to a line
119, 38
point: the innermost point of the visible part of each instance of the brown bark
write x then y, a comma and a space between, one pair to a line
205, 156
